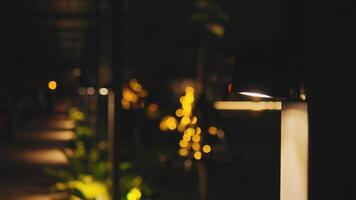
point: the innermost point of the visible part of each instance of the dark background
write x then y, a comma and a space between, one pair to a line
45, 40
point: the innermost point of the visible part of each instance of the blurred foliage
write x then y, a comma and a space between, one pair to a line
76, 115
86, 177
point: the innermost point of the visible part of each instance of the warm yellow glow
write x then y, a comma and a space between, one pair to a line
198, 130
197, 155
125, 104
187, 137
181, 127
248, 105
90, 188
294, 152
134, 194
255, 94
196, 146
129, 95
190, 131
162, 126
52, 85
54, 135
47, 156
179, 112
171, 123
183, 152
206, 148
213, 130
188, 99
196, 138
185, 120
189, 90
90, 91
194, 120
187, 109
135, 85
104, 91
183, 143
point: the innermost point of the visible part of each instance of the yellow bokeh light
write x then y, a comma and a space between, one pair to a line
198, 130
213, 130
197, 155
206, 148
185, 120
125, 104
194, 120
183, 152
171, 123
163, 126
181, 100
187, 110
196, 146
52, 85
134, 194
181, 127
189, 99
190, 131
135, 85
128, 95
196, 138
183, 143
186, 137
189, 90
179, 112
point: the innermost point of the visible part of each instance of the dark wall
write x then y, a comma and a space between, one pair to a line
331, 61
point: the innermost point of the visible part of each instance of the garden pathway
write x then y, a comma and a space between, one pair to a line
22, 161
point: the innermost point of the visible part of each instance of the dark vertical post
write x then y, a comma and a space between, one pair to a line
294, 23
111, 63
117, 62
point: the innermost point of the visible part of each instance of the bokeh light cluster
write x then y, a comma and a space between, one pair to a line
186, 122
133, 95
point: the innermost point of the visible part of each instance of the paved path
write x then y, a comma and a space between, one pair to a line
22, 161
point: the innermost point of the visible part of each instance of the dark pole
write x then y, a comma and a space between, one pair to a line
117, 62
111, 61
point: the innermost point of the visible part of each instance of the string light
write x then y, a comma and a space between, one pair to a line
186, 122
